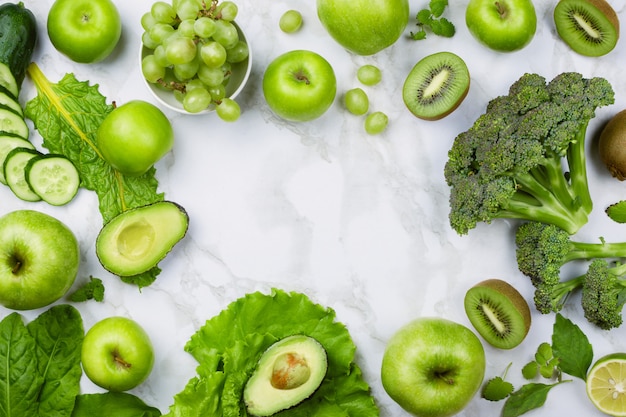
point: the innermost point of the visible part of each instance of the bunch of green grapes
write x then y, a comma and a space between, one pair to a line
193, 45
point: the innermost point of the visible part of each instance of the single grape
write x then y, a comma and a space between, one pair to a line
356, 101
181, 50
187, 9
213, 54
151, 69
161, 31
228, 110
186, 71
376, 122
147, 41
218, 92
290, 21
369, 75
186, 28
147, 21
161, 56
237, 53
193, 84
210, 76
196, 100
227, 10
163, 12
204, 27
226, 34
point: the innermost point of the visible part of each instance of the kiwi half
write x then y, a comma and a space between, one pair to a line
589, 27
498, 312
612, 145
436, 85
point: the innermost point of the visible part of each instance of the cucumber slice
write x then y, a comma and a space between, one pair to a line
11, 122
9, 102
7, 80
7, 144
54, 178
15, 173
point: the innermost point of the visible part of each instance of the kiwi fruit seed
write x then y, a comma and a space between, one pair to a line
436, 85
612, 145
498, 312
589, 27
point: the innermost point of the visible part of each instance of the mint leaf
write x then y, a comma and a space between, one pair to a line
617, 211
572, 347
430, 18
118, 404
528, 397
424, 17
497, 389
91, 290
443, 27
437, 7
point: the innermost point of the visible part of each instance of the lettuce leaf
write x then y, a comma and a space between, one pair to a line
229, 345
67, 115
118, 404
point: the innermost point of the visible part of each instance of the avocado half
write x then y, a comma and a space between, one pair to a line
287, 373
136, 240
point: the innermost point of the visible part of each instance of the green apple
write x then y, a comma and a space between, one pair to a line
364, 27
86, 31
299, 85
134, 136
117, 354
433, 367
39, 259
502, 25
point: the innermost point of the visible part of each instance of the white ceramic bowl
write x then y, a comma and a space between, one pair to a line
238, 79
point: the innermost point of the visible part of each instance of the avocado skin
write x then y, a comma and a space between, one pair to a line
154, 242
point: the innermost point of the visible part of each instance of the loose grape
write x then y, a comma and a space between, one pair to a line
290, 21
213, 54
196, 100
163, 12
356, 101
376, 122
151, 69
210, 76
204, 27
227, 10
228, 110
369, 75
226, 34
180, 50
237, 53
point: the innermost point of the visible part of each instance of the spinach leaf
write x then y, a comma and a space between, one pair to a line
118, 404
528, 397
572, 347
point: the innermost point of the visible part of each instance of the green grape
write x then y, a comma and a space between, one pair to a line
180, 50
186, 28
186, 71
356, 101
161, 31
161, 56
227, 10
228, 110
163, 12
237, 53
213, 54
376, 122
196, 100
147, 21
290, 21
151, 69
204, 27
369, 75
210, 76
147, 41
187, 9
225, 34
218, 92
193, 84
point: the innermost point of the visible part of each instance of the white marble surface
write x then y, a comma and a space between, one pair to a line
357, 222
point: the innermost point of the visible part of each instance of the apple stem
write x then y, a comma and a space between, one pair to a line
302, 77
443, 376
121, 362
16, 267
502, 9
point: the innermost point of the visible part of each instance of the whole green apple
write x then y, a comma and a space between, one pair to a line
134, 136
299, 85
364, 27
502, 25
39, 259
117, 354
86, 31
432, 367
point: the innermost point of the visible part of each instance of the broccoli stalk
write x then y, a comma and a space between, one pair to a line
524, 158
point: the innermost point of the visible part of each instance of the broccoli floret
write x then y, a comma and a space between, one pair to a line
604, 294
524, 158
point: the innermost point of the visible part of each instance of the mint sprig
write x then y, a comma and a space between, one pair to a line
431, 19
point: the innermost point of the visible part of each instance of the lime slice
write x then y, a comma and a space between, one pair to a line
606, 384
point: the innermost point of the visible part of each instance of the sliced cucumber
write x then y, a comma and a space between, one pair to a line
54, 178
11, 122
11, 103
7, 144
15, 173
7, 80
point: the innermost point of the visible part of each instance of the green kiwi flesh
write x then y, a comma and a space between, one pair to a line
436, 85
498, 312
612, 145
589, 27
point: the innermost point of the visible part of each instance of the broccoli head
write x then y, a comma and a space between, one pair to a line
604, 294
511, 162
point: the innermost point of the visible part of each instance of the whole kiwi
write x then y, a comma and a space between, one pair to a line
612, 145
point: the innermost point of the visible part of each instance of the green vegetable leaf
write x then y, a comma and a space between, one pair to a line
528, 397
90, 290
617, 211
19, 378
497, 389
424, 17
443, 27
572, 347
437, 7
430, 18
58, 334
530, 370
118, 404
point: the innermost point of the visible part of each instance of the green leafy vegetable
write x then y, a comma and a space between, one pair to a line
431, 18
91, 290
118, 404
617, 211
572, 347
229, 345
40, 363
528, 397
545, 364
67, 115
497, 388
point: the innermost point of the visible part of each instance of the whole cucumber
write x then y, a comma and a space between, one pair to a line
18, 36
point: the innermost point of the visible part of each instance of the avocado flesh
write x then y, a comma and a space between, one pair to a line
136, 240
287, 373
